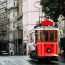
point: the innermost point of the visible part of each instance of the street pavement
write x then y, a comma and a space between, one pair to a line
24, 60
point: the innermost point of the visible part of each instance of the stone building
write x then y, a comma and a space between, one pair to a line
15, 30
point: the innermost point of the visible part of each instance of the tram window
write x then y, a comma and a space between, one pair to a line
46, 35
37, 35
51, 36
56, 35
41, 35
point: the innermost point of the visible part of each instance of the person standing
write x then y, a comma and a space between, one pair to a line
11, 49
11, 52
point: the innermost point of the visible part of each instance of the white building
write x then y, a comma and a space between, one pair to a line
31, 12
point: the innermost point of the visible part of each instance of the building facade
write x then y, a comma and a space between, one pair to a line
15, 25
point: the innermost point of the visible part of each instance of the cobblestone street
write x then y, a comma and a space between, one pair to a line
23, 60
14, 60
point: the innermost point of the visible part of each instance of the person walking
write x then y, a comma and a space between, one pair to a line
31, 50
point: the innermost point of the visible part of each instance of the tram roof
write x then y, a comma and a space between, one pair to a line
46, 28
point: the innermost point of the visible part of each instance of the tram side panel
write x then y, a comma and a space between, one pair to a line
48, 48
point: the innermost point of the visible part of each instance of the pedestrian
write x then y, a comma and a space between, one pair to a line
31, 47
11, 52
31, 50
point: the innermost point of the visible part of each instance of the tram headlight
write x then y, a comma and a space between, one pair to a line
48, 50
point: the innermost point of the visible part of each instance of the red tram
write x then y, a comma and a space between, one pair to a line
46, 41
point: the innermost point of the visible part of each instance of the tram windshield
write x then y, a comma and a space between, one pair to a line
46, 35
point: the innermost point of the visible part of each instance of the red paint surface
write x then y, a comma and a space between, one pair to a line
47, 23
42, 48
